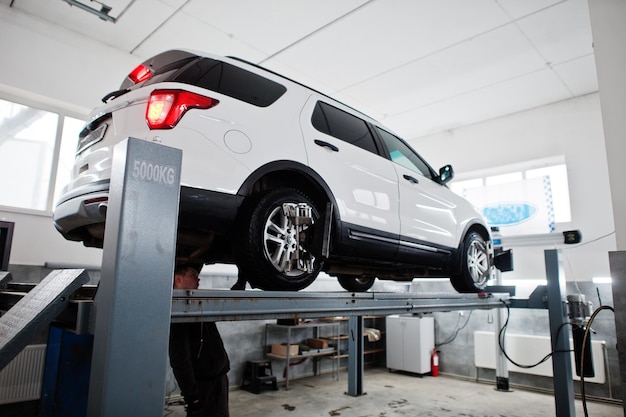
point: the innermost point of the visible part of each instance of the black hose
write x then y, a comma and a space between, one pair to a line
582, 356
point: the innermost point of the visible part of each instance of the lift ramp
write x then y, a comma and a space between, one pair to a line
36, 310
229, 305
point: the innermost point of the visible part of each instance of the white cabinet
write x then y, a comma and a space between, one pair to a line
410, 343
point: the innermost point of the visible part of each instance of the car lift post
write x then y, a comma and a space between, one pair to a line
560, 336
502, 368
552, 297
356, 347
617, 263
133, 303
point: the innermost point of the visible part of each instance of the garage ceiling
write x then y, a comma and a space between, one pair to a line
419, 66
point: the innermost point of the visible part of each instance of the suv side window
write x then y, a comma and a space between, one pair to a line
402, 154
337, 123
232, 81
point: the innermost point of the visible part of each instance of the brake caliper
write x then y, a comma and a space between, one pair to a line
300, 215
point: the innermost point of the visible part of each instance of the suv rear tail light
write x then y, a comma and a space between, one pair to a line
140, 74
167, 107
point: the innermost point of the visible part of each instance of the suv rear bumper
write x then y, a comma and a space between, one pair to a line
81, 208
81, 214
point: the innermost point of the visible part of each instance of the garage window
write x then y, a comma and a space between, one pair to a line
36, 152
527, 187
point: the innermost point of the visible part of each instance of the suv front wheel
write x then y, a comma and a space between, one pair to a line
274, 254
474, 272
475, 267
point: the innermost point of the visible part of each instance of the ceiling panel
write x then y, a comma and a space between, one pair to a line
579, 75
491, 58
517, 8
272, 25
137, 19
421, 66
383, 35
561, 32
510, 97
183, 31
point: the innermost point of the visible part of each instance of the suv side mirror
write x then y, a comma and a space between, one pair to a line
446, 173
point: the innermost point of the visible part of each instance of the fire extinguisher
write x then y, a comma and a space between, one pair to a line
434, 363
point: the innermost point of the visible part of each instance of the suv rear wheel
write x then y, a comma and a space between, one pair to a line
274, 247
355, 283
474, 265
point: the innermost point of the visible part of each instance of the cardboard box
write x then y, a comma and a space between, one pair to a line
280, 349
317, 343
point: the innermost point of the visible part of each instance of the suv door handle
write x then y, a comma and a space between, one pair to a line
411, 179
326, 145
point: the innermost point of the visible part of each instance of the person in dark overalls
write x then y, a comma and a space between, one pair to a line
198, 358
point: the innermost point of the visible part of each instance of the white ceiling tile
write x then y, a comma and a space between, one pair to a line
488, 59
562, 32
517, 8
135, 24
579, 75
269, 25
444, 63
193, 34
385, 34
530, 91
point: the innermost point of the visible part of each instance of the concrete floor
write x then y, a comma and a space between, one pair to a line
396, 394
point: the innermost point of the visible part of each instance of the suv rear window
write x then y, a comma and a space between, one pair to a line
232, 81
214, 75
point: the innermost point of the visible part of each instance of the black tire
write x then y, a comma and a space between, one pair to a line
474, 267
355, 283
269, 250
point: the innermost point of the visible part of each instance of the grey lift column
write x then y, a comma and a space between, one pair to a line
560, 335
356, 348
133, 303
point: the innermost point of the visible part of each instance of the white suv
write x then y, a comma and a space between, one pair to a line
279, 179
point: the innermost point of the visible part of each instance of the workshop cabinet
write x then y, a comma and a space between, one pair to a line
410, 343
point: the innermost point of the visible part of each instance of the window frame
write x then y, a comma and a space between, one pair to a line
62, 111
521, 167
432, 175
319, 108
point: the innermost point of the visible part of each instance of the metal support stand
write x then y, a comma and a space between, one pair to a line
560, 335
554, 299
356, 347
502, 366
134, 298
617, 262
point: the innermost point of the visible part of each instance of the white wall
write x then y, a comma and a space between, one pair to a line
64, 67
609, 35
36, 242
44, 64
571, 128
